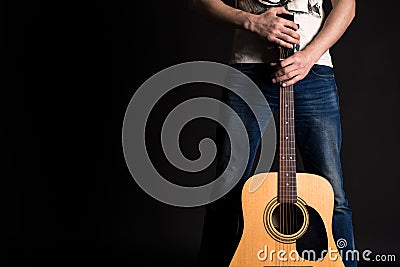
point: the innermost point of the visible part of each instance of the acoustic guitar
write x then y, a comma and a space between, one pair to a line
287, 215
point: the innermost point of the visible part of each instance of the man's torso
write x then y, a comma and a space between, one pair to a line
248, 47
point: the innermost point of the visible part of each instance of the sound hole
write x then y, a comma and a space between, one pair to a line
287, 218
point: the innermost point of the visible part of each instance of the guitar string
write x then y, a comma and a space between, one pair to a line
291, 103
281, 169
285, 205
286, 168
283, 196
287, 94
288, 206
287, 217
290, 110
285, 162
293, 182
292, 162
290, 216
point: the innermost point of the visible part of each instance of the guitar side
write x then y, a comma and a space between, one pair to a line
257, 247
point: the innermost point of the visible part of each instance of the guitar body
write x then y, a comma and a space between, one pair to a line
259, 246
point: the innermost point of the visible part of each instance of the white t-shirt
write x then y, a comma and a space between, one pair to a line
249, 47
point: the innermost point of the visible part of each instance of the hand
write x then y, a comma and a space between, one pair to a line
275, 29
293, 68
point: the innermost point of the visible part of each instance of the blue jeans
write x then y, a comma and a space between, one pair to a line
318, 138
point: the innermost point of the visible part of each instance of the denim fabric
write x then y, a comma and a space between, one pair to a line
318, 138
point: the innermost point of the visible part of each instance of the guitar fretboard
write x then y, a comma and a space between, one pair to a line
287, 148
287, 187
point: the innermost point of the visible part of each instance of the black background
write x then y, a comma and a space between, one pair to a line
67, 197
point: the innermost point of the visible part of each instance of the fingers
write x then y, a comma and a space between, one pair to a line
286, 32
283, 43
285, 75
288, 61
292, 81
276, 29
289, 24
288, 75
289, 28
288, 36
294, 78
285, 22
292, 69
288, 72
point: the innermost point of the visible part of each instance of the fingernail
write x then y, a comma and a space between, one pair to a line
284, 84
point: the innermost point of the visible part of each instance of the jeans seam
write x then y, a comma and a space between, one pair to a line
325, 76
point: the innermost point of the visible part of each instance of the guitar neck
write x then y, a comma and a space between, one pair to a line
287, 191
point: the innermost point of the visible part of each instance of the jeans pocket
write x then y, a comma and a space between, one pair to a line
322, 71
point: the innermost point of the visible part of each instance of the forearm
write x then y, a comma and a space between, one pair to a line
343, 12
267, 24
218, 11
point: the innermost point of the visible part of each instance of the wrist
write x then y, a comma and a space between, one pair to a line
313, 54
248, 21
